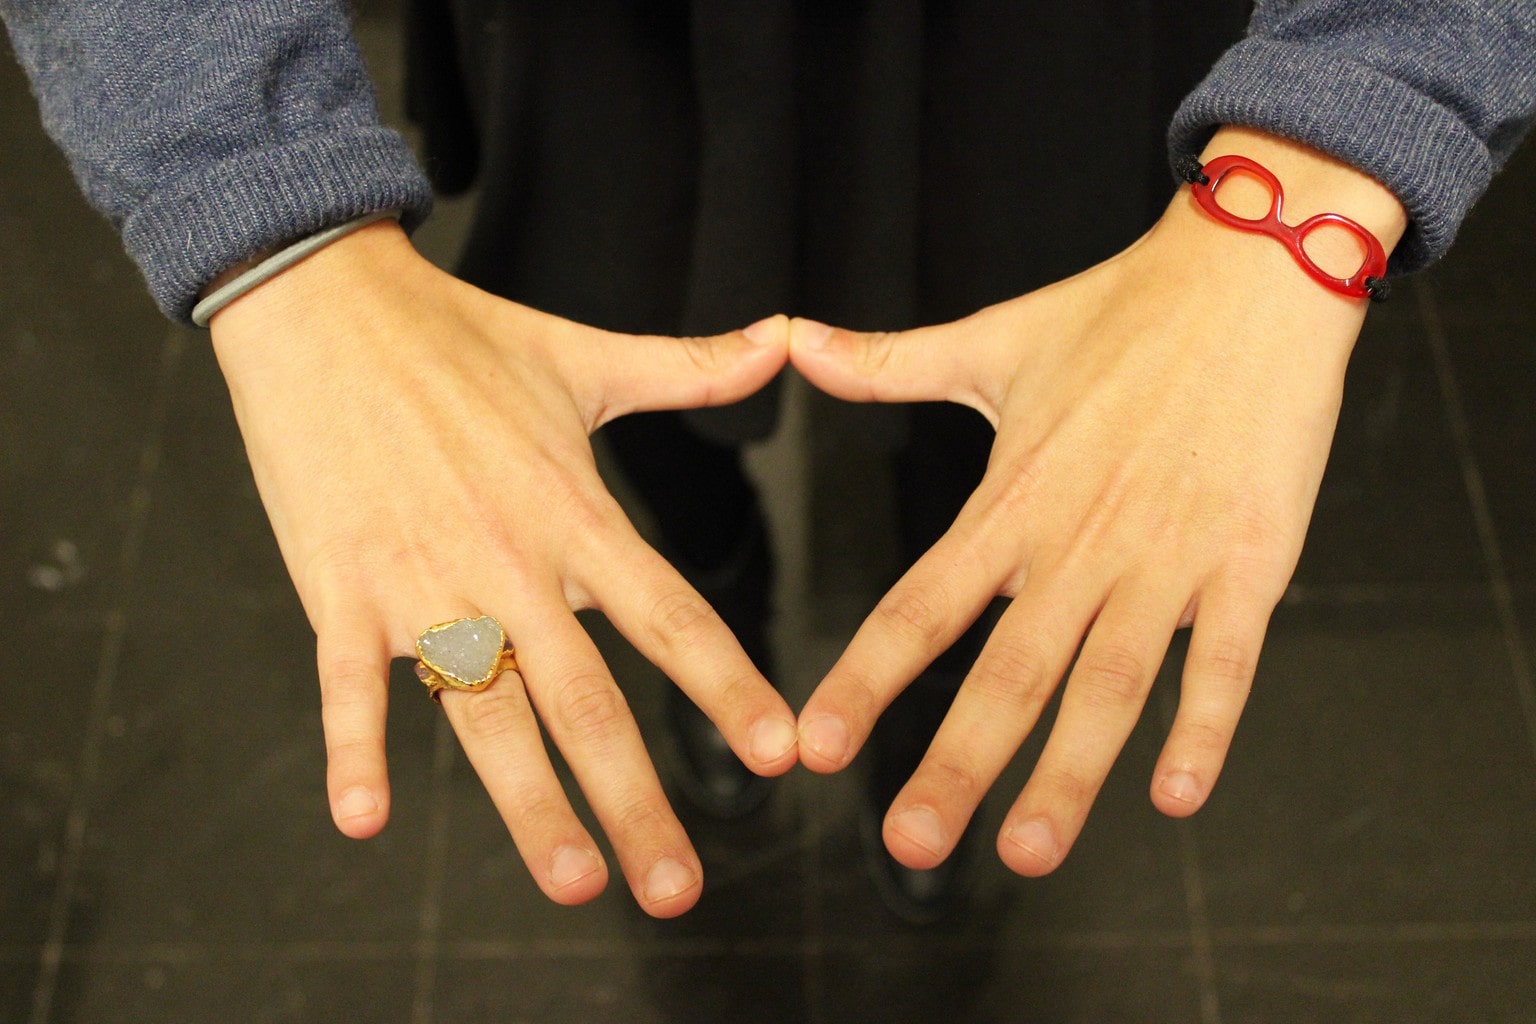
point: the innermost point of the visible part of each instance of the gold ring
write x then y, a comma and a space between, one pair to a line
465, 654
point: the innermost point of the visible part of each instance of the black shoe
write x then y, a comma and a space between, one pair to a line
740, 589
901, 737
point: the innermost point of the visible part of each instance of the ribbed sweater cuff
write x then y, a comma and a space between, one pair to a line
1416, 147
188, 232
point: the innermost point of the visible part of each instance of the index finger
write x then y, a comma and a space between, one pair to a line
922, 615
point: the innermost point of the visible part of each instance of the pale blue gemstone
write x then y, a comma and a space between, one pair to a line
465, 651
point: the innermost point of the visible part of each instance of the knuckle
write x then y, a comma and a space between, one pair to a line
1227, 662
1011, 673
915, 613
858, 694
350, 749
1069, 787
345, 679
345, 563
588, 707
1114, 676
1017, 487
1259, 578
876, 352
540, 813
1204, 733
494, 715
737, 696
703, 354
1260, 553
580, 509
681, 618
1257, 528
955, 776
640, 817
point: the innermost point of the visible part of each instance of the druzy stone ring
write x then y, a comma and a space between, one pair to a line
465, 654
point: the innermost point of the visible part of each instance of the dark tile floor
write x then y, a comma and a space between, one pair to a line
165, 853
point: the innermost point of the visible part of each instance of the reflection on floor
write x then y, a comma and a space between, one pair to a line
1370, 854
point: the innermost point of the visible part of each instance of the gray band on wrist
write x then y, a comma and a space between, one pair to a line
279, 262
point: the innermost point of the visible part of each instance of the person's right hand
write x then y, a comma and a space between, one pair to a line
422, 451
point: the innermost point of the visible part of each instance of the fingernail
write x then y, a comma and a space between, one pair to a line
827, 737
812, 334
667, 879
1181, 786
355, 803
921, 826
1035, 837
772, 738
764, 332
571, 864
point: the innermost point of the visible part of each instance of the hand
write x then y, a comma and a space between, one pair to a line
1163, 421
422, 451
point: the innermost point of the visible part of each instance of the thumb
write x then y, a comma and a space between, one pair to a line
929, 364
622, 373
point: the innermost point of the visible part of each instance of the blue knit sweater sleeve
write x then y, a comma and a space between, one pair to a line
1430, 97
209, 130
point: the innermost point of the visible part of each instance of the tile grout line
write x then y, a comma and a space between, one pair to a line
77, 820
513, 950
812, 961
1202, 946
429, 925
1477, 497
1201, 941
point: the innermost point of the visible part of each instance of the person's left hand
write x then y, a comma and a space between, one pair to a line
1163, 421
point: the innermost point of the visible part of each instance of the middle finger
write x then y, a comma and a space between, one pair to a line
1101, 704
590, 721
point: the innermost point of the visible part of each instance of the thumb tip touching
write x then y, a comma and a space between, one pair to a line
769, 332
809, 335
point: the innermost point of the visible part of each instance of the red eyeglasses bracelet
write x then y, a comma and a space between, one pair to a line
1367, 282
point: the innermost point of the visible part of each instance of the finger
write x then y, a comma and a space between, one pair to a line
1218, 676
948, 362
614, 374
353, 662
997, 706
590, 722
1103, 699
676, 629
921, 616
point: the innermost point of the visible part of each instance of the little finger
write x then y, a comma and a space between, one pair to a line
1218, 676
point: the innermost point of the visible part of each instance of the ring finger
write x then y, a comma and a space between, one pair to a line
1100, 706
500, 736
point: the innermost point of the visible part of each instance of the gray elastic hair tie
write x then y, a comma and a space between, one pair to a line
278, 262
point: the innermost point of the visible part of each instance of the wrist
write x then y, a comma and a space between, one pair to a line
1315, 182
1195, 252
321, 308
1349, 222
336, 275
250, 275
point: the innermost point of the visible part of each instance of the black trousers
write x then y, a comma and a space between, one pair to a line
677, 167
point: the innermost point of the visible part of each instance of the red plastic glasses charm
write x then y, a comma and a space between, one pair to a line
1367, 282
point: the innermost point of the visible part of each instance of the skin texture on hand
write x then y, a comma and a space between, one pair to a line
1163, 421
422, 450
